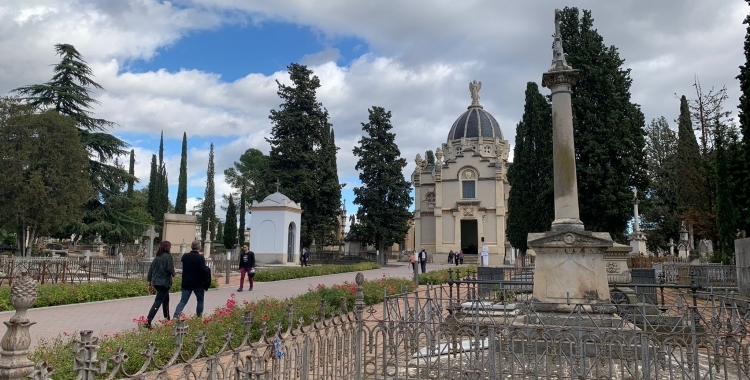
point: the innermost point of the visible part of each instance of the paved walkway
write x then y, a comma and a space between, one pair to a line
109, 317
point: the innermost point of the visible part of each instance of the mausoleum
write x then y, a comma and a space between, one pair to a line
275, 226
461, 199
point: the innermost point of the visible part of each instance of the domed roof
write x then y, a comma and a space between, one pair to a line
475, 122
278, 198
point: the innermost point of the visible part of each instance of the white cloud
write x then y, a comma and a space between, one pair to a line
423, 54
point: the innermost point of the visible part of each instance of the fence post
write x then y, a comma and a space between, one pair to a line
359, 307
14, 363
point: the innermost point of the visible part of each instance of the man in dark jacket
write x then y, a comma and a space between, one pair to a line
194, 272
247, 263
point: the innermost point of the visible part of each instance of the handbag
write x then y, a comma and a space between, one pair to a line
251, 272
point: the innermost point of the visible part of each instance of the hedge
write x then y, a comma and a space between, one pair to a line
438, 277
289, 273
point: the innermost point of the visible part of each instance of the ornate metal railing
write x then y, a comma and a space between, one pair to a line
442, 332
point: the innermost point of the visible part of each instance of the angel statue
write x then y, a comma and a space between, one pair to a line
474, 88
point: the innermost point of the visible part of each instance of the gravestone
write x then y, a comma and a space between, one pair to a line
179, 228
150, 233
742, 254
86, 255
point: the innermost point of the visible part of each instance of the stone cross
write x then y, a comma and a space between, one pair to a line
207, 242
151, 234
277, 185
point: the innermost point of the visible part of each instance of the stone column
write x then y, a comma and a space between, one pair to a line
563, 150
14, 362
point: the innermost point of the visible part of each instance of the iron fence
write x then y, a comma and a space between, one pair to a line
446, 332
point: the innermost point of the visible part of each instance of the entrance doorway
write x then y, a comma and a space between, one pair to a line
469, 237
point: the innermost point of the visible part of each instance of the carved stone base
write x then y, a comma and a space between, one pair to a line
617, 264
570, 267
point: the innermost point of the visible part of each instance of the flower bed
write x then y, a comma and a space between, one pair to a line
288, 273
59, 354
66, 294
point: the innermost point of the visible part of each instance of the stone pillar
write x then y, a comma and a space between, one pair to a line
14, 362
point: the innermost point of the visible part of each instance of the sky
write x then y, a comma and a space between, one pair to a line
209, 68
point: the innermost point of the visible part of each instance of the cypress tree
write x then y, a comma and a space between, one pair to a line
660, 218
230, 225
300, 157
243, 201
153, 189
219, 231
744, 118
726, 220
163, 196
689, 171
531, 198
608, 128
161, 149
208, 207
385, 196
181, 202
131, 171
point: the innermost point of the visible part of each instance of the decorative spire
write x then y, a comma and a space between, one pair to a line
474, 88
558, 55
277, 185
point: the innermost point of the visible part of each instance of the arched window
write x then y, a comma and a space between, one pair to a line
292, 236
468, 184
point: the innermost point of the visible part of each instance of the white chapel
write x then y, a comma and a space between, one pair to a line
461, 200
275, 225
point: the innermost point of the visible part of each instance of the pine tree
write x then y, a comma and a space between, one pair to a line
131, 171
208, 208
744, 118
692, 193
181, 202
384, 197
230, 225
153, 189
608, 127
300, 157
531, 198
243, 202
659, 218
69, 93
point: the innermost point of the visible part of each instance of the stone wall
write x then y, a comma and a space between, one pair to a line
742, 254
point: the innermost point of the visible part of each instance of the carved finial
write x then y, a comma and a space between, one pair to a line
558, 55
474, 88
359, 279
418, 160
439, 156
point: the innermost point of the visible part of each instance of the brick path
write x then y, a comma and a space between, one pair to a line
109, 317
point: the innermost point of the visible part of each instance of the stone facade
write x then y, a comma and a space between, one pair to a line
461, 200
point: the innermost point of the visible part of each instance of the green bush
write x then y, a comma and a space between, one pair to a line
59, 354
438, 277
284, 273
66, 294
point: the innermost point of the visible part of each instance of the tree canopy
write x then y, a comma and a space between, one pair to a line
44, 185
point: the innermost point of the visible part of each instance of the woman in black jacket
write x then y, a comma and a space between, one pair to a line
160, 276
247, 266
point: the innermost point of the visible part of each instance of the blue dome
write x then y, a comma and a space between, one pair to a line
474, 123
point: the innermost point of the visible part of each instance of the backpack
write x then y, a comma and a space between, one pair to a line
206, 277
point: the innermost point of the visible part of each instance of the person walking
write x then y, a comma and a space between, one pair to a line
413, 261
423, 260
457, 257
450, 257
461, 256
194, 273
247, 266
160, 275
304, 257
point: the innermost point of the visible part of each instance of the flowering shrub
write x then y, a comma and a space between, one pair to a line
66, 294
58, 351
